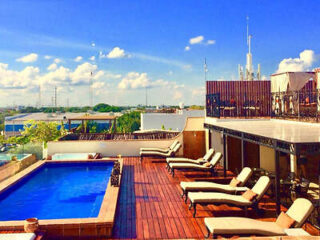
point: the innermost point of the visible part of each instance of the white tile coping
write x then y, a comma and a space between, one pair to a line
17, 236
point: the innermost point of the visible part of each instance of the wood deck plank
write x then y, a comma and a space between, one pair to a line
150, 206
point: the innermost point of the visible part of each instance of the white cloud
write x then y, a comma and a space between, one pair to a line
264, 77
134, 80
198, 92
47, 57
18, 79
109, 75
114, 53
78, 59
82, 73
92, 58
57, 60
60, 76
210, 42
187, 48
97, 85
52, 67
32, 57
187, 67
177, 95
93, 44
302, 63
196, 40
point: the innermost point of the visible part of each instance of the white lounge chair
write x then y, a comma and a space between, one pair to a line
299, 211
192, 166
242, 177
206, 198
163, 150
171, 152
206, 158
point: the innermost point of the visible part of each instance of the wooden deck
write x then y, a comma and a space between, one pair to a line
150, 206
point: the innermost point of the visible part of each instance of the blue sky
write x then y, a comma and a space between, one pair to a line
138, 44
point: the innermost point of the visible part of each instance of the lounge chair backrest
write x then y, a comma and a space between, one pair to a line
300, 210
176, 148
208, 155
261, 187
173, 144
215, 159
244, 176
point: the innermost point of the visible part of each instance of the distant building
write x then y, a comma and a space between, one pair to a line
174, 121
15, 124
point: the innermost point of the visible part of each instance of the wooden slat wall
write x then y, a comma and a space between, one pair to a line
243, 92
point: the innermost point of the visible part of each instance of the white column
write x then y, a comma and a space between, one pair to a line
293, 163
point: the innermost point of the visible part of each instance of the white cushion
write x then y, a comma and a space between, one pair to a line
240, 225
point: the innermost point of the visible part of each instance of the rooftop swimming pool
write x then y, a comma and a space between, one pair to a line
72, 156
57, 191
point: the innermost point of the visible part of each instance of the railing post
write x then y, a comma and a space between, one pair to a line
224, 156
277, 177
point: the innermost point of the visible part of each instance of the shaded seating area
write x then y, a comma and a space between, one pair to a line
150, 205
206, 158
236, 185
295, 217
163, 150
171, 153
205, 167
248, 199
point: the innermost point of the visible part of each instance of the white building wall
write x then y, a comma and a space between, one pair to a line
175, 121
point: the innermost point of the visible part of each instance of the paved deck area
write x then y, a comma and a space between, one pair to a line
150, 206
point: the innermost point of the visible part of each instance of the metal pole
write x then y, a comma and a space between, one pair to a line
277, 178
242, 152
224, 156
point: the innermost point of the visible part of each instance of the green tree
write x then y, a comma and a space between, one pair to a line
128, 122
42, 132
103, 107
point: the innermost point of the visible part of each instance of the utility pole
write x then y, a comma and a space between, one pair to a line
205, 69
146, 96
90, 91
55, 96
39, 95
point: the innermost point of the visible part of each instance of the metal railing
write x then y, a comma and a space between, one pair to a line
118, 136
300, 105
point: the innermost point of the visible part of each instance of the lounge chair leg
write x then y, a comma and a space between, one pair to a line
208, 233
246, 211
194, 210
186, 198
183, 193
172, 171
190, 206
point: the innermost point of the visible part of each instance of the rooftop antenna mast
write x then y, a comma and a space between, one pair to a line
205, 69
249, 69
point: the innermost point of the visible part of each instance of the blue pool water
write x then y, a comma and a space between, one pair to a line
57, 190
71, 156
